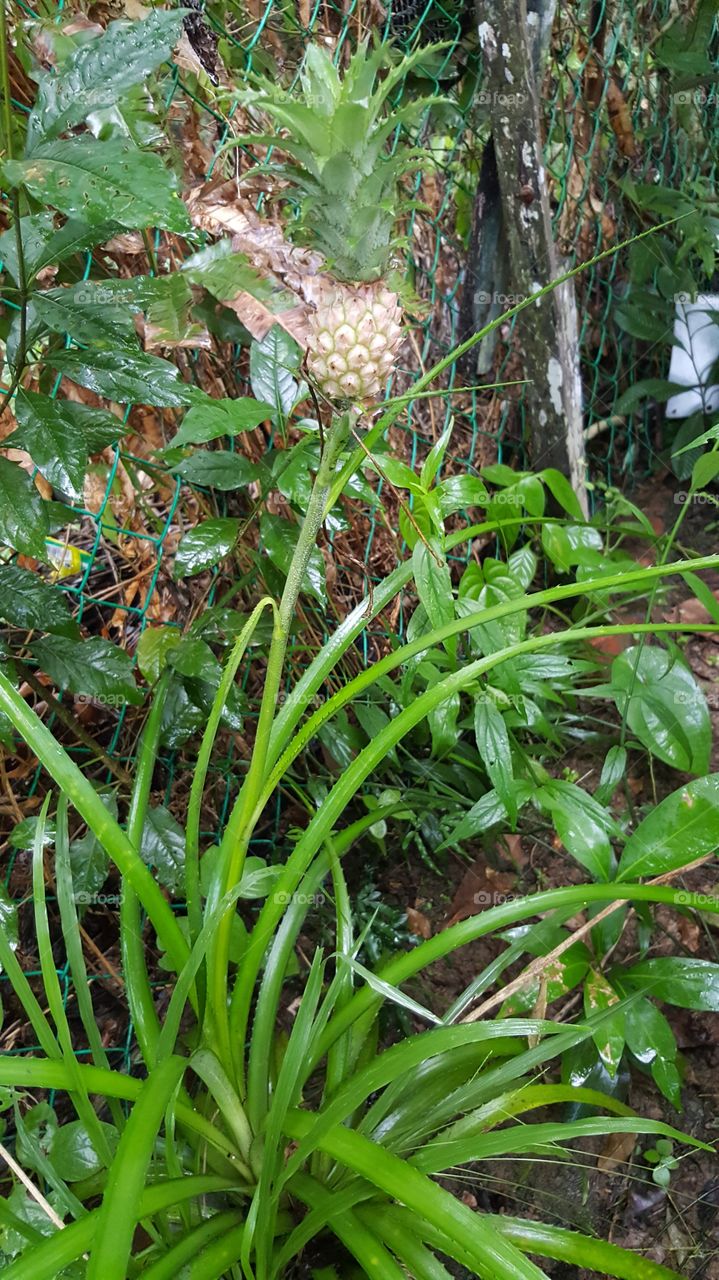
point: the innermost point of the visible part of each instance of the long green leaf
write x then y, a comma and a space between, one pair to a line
83, 796
403, 967
120, 1209
47, 1260
398, 1179
190, 1247
352, 778
579, 1251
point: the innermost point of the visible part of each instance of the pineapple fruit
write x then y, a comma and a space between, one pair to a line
346, 181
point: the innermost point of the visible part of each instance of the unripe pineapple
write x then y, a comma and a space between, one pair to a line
337, 133
353, 339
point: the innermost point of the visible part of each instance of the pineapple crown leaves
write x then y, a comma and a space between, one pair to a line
338, 112
338, 130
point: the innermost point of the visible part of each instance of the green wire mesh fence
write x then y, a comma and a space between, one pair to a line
606, 116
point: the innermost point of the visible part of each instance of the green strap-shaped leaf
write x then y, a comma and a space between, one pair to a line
99, 72
490, 1254
120, 1208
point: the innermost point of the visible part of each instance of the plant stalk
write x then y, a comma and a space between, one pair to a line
235, 841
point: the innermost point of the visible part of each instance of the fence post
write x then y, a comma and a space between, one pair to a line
510, 39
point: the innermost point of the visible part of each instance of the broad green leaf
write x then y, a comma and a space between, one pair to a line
56, 445
278, 539
64, 311
613, 770
651, 1040
487, 812
705, 470
568, 544
443, 725
24, 833
647, 389
72, 1155
459, 492
435, 457
163, 847
293, 472
422, 521
102, 181
27, 601
96, 668
218, 469
153, 648
599, 997
434, 586
194, 658
24, 522
206, 544
59, 434
647, 1031
562, 491
131, 377
90, 863
582, 825
99, 72
215, 418
398, 473
225, 273
664, 706
522, 566
494, 748
680, 980
684, 826
44, 245
274, 362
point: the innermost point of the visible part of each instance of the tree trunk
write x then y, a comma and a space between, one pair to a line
512, 40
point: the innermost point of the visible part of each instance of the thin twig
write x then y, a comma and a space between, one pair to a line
31, 1189
539, 966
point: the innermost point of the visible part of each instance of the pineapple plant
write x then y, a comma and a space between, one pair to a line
346, 156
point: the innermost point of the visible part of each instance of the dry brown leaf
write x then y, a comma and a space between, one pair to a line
690, 610
127, 242
480, 887
616, 1150
620, 119
222, 211
156, 339
515, 848
256, 317
418, 924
